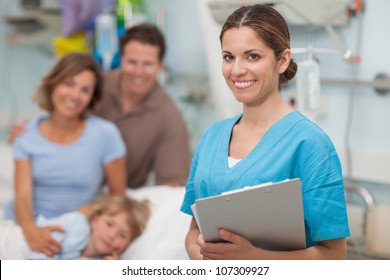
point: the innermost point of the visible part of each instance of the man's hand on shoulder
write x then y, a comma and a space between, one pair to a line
16, 130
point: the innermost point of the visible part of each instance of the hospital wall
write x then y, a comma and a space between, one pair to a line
22, 67
357, 118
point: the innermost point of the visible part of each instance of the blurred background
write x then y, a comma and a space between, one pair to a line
343, 85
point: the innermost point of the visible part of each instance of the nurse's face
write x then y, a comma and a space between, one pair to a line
249, 66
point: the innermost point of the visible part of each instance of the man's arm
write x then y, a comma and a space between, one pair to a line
172, 160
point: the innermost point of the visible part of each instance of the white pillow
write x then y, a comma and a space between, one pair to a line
163, 238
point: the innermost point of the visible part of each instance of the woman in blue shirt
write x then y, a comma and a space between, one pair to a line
62, 158
268, 142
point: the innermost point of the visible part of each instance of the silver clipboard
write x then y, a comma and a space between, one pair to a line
269, 215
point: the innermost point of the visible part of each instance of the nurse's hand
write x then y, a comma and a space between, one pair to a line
40, 240
235, 248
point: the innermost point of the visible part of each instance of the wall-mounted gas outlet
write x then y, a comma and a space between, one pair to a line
381, 83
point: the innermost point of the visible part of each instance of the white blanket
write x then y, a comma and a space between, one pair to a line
13, 245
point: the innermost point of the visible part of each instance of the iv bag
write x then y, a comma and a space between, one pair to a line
106, 38
308, 87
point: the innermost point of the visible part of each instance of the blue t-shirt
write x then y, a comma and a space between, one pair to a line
294, 147
70, 175
73, 240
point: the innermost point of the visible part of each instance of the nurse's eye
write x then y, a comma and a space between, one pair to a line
227, 57
253, 57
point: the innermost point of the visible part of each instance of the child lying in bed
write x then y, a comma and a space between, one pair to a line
103, 231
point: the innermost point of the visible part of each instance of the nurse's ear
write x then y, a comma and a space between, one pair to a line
284, 61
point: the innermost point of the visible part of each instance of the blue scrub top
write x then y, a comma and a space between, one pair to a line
294, 147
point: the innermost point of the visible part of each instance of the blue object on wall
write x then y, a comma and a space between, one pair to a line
116, 59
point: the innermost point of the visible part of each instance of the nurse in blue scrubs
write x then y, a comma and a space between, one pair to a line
269, 141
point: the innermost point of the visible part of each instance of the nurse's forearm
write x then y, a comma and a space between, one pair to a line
192, 246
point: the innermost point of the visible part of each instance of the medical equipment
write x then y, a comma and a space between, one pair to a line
308, 86
106, 38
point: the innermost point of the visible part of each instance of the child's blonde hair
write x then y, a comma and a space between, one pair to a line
138, 212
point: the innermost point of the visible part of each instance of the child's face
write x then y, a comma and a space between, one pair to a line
110, 234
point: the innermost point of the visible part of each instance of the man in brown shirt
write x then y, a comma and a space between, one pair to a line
152, 127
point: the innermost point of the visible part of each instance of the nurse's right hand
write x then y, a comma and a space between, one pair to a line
40, 240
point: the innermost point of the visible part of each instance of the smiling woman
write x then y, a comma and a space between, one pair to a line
62, 159
268, 142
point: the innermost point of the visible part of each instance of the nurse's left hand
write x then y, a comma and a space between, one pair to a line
235, 248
